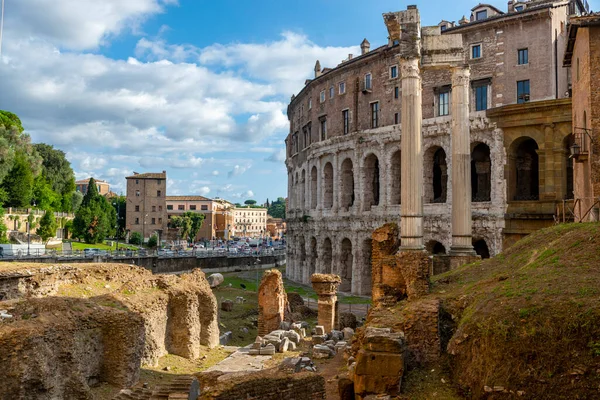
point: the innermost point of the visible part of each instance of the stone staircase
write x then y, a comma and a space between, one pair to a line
180, 388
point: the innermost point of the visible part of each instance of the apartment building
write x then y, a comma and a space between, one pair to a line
146, 204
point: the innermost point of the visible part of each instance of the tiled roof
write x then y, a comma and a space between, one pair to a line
187, 198
149, 175
86, 181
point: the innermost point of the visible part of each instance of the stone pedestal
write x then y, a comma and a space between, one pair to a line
462, 241
416, 267
326, 286
458, 260
411, 221
272, 302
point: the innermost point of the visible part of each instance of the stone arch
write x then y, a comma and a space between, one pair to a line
346, 260
327, 256
481, 173
481, 248
436, 175
327, 187
435, 248
313, 257
367, 267
347, 184
568, 141
524, 168
313, 187
371, 179
396, 177
303, 189
297, 191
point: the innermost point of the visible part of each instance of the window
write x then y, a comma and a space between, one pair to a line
331, 92
158, 193
342, 87
181, 207
396, 92
374, 115
159, 181
523, 91
169, 207
204, 208
368, 83
523, 56
137, 181
476, 51
153, 221
518, 8
153, 208
396, 118
193, 207
309, 129
394, 72
160, 221
481, 15
137, 193
322, 96
481, 92
323, 128
137, 221
296, 144
309, 104
159, 208
443, 27
444, 103
346, 119
137, 208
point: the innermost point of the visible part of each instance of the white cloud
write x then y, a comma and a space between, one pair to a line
204, 190
277, 156
238, 170
215, 173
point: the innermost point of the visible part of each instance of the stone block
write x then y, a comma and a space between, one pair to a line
254, 352
293, 336
337, 335
322, 351
382, 339
284, 325
215, 280
319, 339
268, 350
292, 346
348, 333
319, 330
227, 305
284, 345
379, 363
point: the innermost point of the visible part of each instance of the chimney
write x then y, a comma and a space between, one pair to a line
350, 57
511, 6
365, 46
317, 69
463, 21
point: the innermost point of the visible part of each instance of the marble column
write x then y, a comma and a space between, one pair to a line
411, 221
461, 165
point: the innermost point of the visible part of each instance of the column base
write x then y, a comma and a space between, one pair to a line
461, 256
415, 267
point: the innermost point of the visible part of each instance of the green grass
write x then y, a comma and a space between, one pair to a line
101, 246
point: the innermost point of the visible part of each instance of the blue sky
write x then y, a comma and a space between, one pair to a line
198, 88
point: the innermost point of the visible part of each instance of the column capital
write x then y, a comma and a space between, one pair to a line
409, 68
461, 76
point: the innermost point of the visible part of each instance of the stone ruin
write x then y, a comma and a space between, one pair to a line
272, 302
76, 326
326, 285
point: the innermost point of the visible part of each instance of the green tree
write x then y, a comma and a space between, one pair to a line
47, 228
250, 202
153, 241
95, 220
189, 225
14, 141
195, 225
76, 198
56, 168
119, 203
8, 119
44, 197
18, 183
135, 238
277, 208
3, 228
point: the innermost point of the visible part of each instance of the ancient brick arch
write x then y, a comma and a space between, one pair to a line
434, 247
313, 187
371, 182
346, 260
347, 184
396, 177
312, 265
435, 175
327, 186
481, 173
481, 248
303, 189
525, 169
327, 265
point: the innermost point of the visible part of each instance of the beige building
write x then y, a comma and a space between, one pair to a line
102, 186
344, 145
146, 204
218, 214
250, 222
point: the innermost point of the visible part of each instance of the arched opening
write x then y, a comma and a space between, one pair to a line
347, 184
435, 175
313, 188
481, 173
327, 186
366, 275
297, 192
312, 267
481, 248
371, 182
346, 260
395, 185
327, 256
526, 168
435, 248
568, 181
303, 190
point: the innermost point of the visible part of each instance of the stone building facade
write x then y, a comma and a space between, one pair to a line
250, 222
218, 214
102, 186
583, 57
343, 149
146, 204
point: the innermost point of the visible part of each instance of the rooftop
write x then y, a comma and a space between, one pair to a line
149, 175
86, 181
188, 198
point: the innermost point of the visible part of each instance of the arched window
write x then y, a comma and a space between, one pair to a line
327, 256
366, 273
346, 260
526, 167
371, 182
327, 186
303, 190
481, 170
396, 176
313, 188
313, 257
436, 175
434, 247
481, 248
347, 184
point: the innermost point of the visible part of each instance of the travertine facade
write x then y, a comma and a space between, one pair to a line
344, 151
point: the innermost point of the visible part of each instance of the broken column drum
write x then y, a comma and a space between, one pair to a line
326, 286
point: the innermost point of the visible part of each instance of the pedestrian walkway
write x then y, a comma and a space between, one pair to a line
241, 361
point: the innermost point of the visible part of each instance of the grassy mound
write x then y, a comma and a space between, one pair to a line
528, 320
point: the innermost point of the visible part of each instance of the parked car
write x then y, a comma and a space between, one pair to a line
165, 253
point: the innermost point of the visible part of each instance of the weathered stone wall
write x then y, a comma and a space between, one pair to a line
272, 302
264, 385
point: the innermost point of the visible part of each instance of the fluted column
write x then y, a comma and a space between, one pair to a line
411, 221
461, 164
